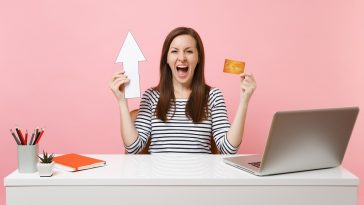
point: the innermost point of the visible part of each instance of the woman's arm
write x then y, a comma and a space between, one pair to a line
128, 132
235, 134
220, 125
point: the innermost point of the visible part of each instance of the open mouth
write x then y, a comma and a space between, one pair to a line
182, 71
182, 68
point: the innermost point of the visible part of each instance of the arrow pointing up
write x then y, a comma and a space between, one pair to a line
130, 55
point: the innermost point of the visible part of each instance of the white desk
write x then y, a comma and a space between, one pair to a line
179, 179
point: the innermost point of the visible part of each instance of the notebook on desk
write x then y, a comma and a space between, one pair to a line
75, 162
302, 140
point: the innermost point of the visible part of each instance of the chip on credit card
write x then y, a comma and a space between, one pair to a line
234, 66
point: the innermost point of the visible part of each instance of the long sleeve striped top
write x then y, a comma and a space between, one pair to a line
179, 134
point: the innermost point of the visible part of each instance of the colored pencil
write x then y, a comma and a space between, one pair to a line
31, 139
15, 138
26, 137
40, 135
18, 131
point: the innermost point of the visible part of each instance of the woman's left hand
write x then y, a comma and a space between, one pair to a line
248, 85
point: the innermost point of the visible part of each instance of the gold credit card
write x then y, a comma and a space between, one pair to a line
233, 66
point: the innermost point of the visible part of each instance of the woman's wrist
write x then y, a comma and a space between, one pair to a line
122, 102
244, 99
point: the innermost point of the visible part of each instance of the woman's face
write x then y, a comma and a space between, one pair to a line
182, 59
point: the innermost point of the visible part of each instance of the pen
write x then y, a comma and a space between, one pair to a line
18, 131
15, 138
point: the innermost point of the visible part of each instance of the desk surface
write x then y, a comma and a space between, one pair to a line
176, 169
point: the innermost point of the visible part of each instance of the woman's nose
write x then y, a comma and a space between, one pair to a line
181, 56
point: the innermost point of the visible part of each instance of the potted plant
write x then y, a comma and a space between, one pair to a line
46, 164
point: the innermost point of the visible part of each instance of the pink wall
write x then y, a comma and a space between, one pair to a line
57, 57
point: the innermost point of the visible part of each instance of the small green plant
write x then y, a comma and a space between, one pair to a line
46, 158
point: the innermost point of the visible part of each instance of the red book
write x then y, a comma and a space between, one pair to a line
75, 162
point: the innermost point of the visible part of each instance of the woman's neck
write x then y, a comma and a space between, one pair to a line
181, 92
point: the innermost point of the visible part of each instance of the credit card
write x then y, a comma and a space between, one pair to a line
234, 66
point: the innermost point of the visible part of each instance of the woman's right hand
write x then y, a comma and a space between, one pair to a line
117, 85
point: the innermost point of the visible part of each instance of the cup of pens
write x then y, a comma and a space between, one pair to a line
27, 150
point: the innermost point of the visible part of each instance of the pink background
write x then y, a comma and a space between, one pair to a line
57, 58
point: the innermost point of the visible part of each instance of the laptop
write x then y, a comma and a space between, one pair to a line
302, 140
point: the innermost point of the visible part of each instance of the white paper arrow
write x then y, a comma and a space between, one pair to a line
130, 55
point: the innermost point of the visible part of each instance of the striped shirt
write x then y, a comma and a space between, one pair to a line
179, 134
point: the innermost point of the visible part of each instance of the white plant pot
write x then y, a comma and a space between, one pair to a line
45, 169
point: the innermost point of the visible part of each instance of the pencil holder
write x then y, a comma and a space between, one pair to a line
27, 158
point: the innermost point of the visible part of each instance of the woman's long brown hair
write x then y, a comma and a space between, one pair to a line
197, 105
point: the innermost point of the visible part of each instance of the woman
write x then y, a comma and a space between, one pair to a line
182, 112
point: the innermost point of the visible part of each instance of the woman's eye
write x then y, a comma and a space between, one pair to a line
173, 51
189, 51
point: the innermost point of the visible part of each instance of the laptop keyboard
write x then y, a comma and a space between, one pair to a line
255, 164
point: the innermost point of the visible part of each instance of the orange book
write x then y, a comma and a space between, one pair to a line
75, 162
